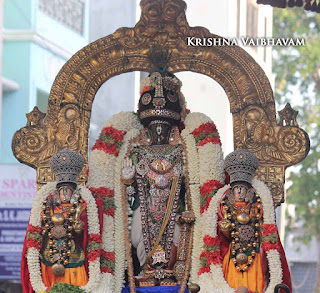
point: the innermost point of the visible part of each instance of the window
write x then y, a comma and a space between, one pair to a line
252, 20
68, 12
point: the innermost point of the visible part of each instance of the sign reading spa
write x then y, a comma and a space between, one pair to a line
17, 189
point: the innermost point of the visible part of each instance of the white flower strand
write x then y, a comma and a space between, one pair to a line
273, 255
105, 171
102, 173
33, 260
213, 168
194, 187
121, 212
43, 192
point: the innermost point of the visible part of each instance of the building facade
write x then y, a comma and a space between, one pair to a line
38, 38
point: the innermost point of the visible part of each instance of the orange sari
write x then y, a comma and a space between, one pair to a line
253, 278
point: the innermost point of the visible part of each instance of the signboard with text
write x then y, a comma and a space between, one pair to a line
18, 188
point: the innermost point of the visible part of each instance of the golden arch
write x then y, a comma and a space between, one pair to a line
163, 24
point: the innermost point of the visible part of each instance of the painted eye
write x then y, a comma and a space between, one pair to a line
172, 96
146, 99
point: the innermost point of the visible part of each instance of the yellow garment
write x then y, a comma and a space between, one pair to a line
76, 276
252, 278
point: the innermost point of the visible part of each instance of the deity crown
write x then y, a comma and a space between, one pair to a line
66, 165
241, 165
161, 97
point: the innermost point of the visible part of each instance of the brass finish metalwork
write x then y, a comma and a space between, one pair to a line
163, 24
185, 221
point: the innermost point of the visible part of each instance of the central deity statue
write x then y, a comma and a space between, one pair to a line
156, 171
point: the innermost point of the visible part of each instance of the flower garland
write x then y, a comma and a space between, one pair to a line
34, 239
103, 181
210, 274
121, 212
205, 174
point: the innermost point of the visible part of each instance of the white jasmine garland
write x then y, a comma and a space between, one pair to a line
124, 121
108, 233
213, 168
215, 278
103, 164
194, 187
194, 120
105, 171
204, 163
120, 213
33, 255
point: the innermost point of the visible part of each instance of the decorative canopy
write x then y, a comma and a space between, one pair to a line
163, 23
309, 5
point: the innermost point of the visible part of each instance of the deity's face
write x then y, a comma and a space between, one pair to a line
160, 131
240, 192
65, 193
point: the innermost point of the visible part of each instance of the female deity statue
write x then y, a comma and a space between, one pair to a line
152, 170
248, 253
63, 238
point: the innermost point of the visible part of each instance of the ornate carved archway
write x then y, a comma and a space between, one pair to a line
163, 23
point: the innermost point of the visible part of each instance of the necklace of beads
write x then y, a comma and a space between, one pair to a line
239, 218
155, 152
59, 230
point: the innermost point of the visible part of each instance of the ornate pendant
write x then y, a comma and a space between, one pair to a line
243, 218
161, 181
59, 232
57, 219
58, 269
142, 168
241, 258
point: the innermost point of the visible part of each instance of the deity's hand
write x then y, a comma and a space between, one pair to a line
225, 227
78, 227
242, 289
128, 170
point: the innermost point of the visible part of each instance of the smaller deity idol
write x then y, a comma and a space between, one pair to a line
252, 254
57, 235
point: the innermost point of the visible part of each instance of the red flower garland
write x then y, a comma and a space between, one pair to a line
214, 140
34, 229
102, 146
106, 270
95, 237
208, 187
269, 229
115, 134
109, 212
207, 190
208, 127
102, 192
94, 255
211, 253
34, 243
204, 270
209, 240
266, 246
109, 255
